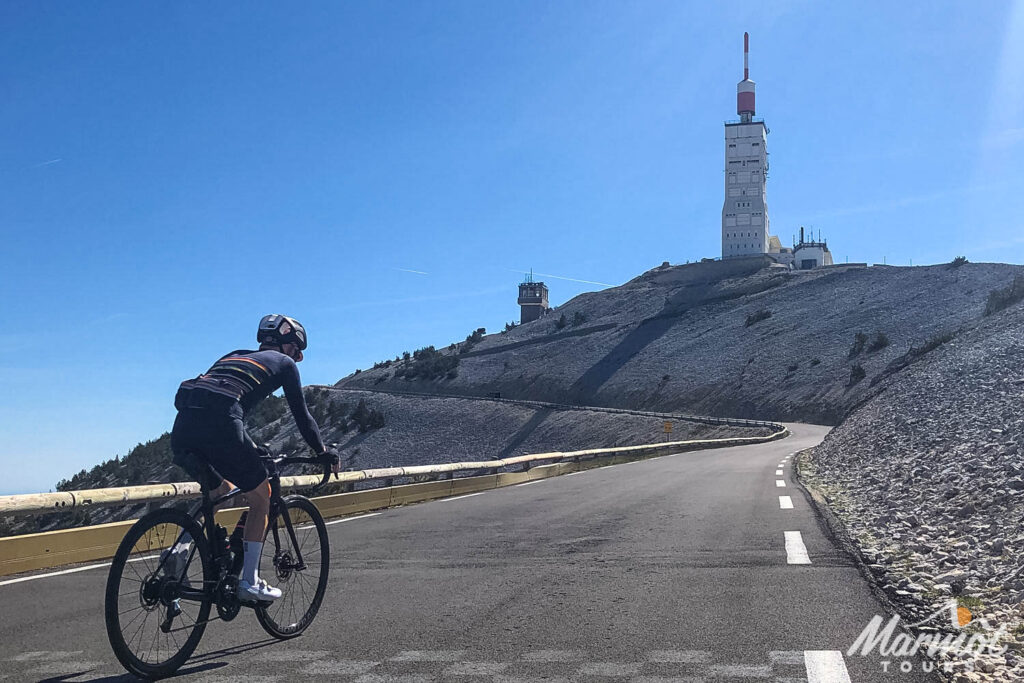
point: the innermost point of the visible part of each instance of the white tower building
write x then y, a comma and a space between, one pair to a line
745, 212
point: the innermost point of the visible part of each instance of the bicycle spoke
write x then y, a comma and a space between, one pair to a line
151, 629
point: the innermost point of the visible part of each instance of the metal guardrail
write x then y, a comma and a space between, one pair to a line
130, 495
701, 419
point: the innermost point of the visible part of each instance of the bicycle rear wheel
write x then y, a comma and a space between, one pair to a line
302, 583
152, 626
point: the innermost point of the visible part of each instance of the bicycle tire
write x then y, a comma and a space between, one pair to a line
145, 537
292, 613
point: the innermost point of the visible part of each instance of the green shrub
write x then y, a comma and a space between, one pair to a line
578, 318
856, 374
561, 322
998, 299
472, 339
756, 317
428, 363
860, 340
932, 344
879, 342
367, 418
958, 261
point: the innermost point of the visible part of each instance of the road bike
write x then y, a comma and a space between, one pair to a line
162, 586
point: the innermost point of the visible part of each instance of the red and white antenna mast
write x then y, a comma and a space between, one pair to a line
746, 56
745, 88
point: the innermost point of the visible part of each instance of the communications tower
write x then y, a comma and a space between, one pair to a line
745, 211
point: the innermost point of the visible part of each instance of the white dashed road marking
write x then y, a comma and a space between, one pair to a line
609, 669
401, 678
785, 503
554, 656
336, 667
290, 655
812, 666
778, 473
476, 669
44, 656
796, 551
351, 519
780, 483
429, 656
825, 666
69, 571
680, 656
468, 495
740, 670
786, 656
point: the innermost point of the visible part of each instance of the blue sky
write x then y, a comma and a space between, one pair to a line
173, 171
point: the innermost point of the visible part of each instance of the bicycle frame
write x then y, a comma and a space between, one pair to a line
207, 508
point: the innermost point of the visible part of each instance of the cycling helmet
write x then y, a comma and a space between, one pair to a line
280, 329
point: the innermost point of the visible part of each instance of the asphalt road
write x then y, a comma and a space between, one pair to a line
668, 569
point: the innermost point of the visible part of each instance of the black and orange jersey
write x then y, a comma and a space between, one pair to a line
241, 379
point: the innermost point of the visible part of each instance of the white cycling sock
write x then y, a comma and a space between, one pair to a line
183, 544
253, 549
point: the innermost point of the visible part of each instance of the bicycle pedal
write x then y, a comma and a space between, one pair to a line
254, 603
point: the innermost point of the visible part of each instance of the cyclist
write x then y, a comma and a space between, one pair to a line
209, 425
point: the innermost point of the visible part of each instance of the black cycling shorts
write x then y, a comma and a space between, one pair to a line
220, 441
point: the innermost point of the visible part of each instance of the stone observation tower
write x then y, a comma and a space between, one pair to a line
745, 212
533, 299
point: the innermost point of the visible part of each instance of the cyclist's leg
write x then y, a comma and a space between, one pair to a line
255, 529
237, 459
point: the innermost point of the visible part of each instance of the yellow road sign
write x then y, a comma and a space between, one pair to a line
668, 427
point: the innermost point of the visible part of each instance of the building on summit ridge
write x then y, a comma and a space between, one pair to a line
745, 227
533, 299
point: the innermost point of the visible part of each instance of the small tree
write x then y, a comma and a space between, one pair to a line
578, 318
756, 317
860, 340
361, 415
998, 299
561, 322
856, 374
879, 342
958, 261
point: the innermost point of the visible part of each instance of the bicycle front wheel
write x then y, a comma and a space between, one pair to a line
295, 561
156, 607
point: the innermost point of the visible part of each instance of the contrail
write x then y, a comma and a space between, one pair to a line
560, 277
47, 163
406, 270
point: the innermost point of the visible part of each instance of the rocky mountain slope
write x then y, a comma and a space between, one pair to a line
415, 431
928, 478
724, 338
925, 470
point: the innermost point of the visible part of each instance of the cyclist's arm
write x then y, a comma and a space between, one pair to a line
293, 393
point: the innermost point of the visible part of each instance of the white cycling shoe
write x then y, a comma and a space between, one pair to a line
261, 592
174, 560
